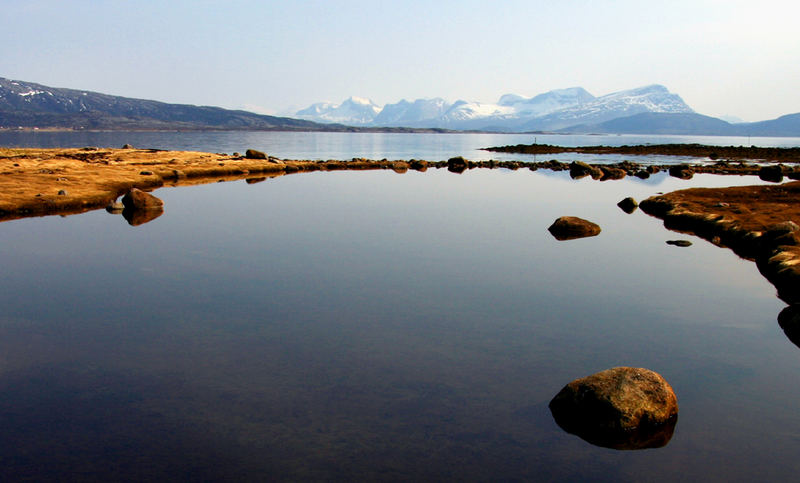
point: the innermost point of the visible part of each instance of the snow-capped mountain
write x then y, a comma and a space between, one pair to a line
556, 109
548, 102
653, 98
355, 111
406, 113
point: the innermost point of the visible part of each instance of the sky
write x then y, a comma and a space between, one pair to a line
724, 58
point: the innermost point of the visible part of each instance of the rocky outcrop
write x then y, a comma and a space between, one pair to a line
572, 227
621, 408
757, 222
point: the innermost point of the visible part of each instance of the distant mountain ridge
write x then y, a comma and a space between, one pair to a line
645, 110
28, 105
553, 110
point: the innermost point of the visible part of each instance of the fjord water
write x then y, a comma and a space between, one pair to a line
374, 325
343, 146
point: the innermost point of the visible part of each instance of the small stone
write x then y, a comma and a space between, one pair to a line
127, 146
146, 173
62, 193
679, 243
628, 205
115, 207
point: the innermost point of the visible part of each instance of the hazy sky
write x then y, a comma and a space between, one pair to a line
728, 57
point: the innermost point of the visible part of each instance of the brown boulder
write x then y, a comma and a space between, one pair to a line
571, 227
579, 169
622, 408
457, 164
681, 171
253, 154
136, 199
610, 172
772, 173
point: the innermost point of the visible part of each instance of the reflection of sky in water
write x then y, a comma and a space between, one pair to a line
373, 325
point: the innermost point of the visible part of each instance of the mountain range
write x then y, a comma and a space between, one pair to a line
645, 110
650, 109
28, 105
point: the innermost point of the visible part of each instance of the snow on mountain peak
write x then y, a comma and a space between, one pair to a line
555, 109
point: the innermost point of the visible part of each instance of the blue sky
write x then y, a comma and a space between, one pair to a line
723, 57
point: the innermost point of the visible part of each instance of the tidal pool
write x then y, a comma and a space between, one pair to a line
381, 326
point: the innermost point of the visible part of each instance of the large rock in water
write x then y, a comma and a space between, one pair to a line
621, 408
571, 227
457, 164
136, 199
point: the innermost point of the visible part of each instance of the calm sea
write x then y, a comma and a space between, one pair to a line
377, 326
342, 146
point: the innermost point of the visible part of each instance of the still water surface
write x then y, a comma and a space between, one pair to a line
372, 325
342, 146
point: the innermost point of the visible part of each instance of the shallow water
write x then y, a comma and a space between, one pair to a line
371, 325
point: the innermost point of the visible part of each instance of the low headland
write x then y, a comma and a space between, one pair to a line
761, 223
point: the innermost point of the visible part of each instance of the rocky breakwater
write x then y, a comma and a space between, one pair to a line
620, 408
760, 223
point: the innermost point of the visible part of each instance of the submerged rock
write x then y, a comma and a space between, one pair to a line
572, 227
621, 408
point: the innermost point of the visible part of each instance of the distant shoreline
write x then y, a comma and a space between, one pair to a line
790, 155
